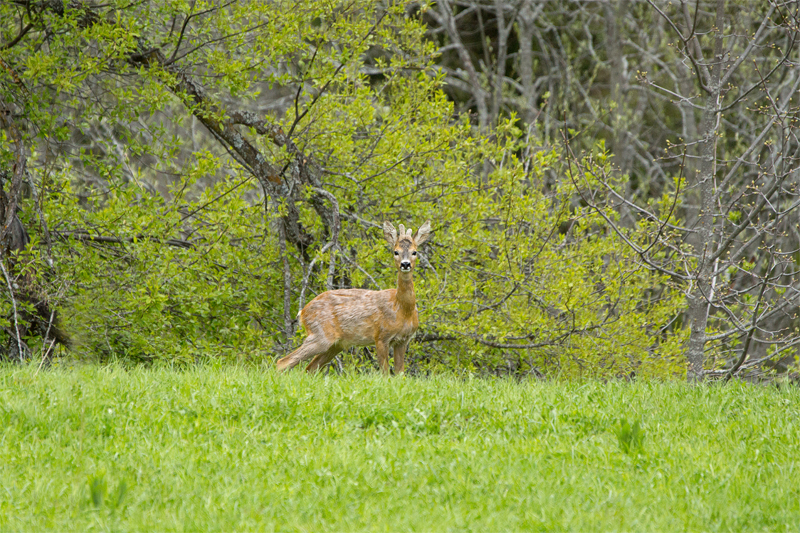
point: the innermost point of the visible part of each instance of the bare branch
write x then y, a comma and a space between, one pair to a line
18, 38
84, 236
14, 307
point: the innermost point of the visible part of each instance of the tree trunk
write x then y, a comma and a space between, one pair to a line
700, 293
526, 20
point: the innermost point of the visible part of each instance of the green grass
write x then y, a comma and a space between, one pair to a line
93, 448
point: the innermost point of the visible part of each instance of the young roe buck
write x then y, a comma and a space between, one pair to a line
336, 320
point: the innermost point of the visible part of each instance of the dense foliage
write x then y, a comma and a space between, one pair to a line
190, 174
706, 90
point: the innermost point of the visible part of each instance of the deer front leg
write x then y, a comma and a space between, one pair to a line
382, 352
399, 358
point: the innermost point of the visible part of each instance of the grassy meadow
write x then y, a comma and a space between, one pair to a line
243, 449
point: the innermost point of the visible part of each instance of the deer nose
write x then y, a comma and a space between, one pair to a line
405, 265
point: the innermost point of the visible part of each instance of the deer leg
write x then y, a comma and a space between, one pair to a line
399, 358
382, 352
312, 346
323, 359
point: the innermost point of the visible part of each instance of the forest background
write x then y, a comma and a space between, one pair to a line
613, 186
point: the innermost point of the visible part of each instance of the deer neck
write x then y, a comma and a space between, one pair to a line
406, 300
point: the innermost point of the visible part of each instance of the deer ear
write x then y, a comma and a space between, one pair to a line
389, 233
423, 233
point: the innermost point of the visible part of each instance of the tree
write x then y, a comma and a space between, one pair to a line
732, 243
101, 89
695, 105
221, 163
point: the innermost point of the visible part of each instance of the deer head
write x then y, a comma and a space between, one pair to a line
404, 245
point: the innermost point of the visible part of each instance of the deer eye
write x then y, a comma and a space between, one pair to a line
413, 253
396, 252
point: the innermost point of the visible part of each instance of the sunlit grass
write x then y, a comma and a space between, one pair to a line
233, 448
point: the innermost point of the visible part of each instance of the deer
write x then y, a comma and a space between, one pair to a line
338, 319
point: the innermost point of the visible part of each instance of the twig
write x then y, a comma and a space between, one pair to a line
771, 266
287, 282
355, 264
14, 305
324, 88
45, 357
337, 224
636, 248
17, 39
307, 274
86, 237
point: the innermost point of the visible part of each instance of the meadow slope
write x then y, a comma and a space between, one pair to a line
223, 449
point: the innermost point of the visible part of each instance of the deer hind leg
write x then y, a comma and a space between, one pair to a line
323, 358
312, 346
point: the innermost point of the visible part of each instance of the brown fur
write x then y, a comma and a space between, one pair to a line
336, 320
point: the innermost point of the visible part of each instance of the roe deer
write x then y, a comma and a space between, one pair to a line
336, 320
